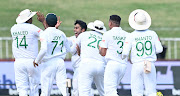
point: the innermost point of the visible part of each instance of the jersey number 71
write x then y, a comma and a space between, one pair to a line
56, 45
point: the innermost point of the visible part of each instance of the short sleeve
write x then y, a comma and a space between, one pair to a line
127, 44
105, 40
70, 41
66, 43
79, 38
42, 37
37, 30
158, 44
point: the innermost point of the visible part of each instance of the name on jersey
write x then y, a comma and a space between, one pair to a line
57, 38
145, 38
119, 38
94, 36
20, 33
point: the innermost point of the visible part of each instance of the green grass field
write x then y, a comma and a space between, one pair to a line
164, 13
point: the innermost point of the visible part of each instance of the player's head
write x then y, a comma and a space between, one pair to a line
114, 21
51, 19
79, 27
25, 16
97, 26
139, 20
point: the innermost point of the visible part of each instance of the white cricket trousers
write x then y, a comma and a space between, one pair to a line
75, 82
114, 72
91, 70
26, 77
140, 78
53, 69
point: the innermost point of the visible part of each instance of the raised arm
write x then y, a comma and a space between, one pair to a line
42, 52
41, 18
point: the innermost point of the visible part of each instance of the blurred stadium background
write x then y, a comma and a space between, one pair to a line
165, 21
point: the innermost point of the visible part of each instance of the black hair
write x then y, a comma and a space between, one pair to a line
115, 19
51, 19
81, 23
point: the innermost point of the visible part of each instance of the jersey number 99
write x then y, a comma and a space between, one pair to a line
144, 48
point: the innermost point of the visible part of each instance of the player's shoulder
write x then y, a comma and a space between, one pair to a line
31, 26
108, 32
131, 34
84, 33
43, 34
13, 27
72, 37
61, 32
118, 29
125, 32
151, 31
134, 32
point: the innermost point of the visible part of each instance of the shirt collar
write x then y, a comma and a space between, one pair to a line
116, 28
141, 30
51, 28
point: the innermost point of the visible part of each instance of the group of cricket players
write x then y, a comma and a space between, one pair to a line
99, 55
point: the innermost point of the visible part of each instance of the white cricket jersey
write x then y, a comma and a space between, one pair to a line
144, 45
75, 59
25, 40
114, 40
54, 44
89, 43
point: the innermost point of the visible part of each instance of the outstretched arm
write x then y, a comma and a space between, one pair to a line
58, 23
41, 18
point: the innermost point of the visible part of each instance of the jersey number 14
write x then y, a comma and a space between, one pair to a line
22, 42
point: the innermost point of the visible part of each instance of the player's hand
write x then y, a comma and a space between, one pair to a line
40, 17
35, 64
99, 48
123, 57
78, 49
58, 23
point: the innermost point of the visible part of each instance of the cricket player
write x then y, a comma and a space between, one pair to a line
54, 46
144, 45
79, 27
111, 48
92, 63
25, 49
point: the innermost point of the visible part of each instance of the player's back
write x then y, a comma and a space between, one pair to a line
25, 40
56, 41
90, 45
115, 39
144, 45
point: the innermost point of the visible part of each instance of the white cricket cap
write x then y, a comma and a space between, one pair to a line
97, 25
24, 16
139, 20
